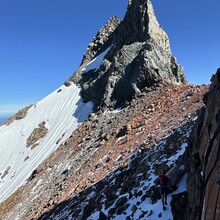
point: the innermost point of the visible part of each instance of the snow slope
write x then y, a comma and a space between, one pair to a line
61, 111
119, 198
147, 210
96, 62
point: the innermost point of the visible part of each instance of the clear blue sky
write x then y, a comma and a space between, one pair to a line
42, 41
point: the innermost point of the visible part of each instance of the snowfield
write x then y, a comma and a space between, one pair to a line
96, 62
61, 112
152, 211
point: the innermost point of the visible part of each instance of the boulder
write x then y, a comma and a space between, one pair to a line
175, 174
102, 216
178, 205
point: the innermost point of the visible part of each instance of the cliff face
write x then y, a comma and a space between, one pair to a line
137, 58
204, 161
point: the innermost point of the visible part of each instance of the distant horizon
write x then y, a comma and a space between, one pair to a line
3, 116
6, 111
3, 120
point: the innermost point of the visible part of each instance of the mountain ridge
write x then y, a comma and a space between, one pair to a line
126, 114
138, 58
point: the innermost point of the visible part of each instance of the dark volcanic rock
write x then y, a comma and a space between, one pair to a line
204, 150
178, 205
102, 40
139, 59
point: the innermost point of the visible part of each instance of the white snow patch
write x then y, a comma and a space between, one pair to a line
180, 152
146, 209
96, 62
181, 185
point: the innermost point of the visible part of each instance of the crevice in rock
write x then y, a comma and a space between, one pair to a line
209, 149
216, 208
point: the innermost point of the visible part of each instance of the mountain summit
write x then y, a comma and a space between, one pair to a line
134, 56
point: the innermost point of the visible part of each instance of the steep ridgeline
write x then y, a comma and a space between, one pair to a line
204, 161
106, 169
102, 40
126, 58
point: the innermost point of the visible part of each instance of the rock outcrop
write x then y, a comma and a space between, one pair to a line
102, 40
19, 115
204, 161
37, 134
137, 58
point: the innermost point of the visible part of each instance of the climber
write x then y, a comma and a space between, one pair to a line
163, 182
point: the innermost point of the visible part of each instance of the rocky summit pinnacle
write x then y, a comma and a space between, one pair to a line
140, 24
102, 40
132, 56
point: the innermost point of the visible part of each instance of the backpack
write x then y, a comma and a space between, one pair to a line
163, 180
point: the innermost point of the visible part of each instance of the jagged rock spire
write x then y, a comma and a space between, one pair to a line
138, 59
102, 40
140, 24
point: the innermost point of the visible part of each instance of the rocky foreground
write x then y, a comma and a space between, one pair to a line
106, 143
